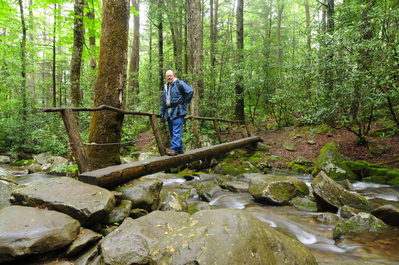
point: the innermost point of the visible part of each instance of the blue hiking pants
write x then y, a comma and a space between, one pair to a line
175, 130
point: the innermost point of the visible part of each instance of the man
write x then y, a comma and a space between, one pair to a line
176, 98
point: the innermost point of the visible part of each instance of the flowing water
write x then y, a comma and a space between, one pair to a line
292, 222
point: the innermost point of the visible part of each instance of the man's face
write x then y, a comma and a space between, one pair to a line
170, 77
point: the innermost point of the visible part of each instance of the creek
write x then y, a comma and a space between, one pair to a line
288, 220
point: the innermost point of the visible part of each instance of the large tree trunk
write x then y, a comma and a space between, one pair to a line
160, 48
195, 48
53, 73
134, 58
32, 74
175, 21
23, 58
77, 50
106, 126
279, 57
92, 43
239, 110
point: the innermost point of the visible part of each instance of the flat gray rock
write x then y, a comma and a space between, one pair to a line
86, 203
6, 189
26, 230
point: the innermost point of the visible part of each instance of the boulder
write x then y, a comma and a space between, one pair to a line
175, 203
330, 195
208, 190
238, 186
32, 168
137, 213
347, 211
228, 236
235, 169
223, 180
387, 213
327, 218
199, 206
27, 230
5, 160
6, 176
290, 147
43, 158
144, 193
359, 224
301, 161
134, 240
119, 213
127, 160
6, 189
311, 142
87, 257
147, 155
84, 202
305, 204
348, 185
276, 190
86, 237
333, 163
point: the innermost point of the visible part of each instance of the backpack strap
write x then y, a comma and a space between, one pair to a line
181, 89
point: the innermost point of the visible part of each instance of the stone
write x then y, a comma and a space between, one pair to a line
228, 236
290, 147
175, 203
27, 230
6, 176
330, 195
127, 160
199, 206
359, 224
388, 214
6, 189
134, 240
276, 190
302, 161
311, 142
235, 169
348, 185
304, 204
147, 155
347, 211
84, 202
87, 257
5, 160
144, 193
238, 186
223, 180
327, 218
137, 213
86, 237
43, 158
208, 190
119, 213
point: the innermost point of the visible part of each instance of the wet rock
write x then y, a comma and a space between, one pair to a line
223, 180
347, 212
276, 190
134, 241
311, 142
201, 164
147, 155
330, 195
136, 213
86, 203
127, 160
238, 186
6, 176
5, 159
43, 158
387, 213
199, 206
301, 161
32, 168
348, 185
86, 237
264, 166
228, 236
208, 190
6, 189
87, 257
305, 204
175, 203
119, 213
108, 229
144, 193
290, 147
327, 218
235, 169
26, 230
361, 223
333, 163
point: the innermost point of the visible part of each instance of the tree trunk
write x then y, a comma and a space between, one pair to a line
54, 80
92, 43
160, 49
196, 49
31, 39
106, 126
239, 109
77, 50
23, 58
134, 58
175, 20
279, 57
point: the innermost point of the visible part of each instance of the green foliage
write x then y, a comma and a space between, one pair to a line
65, 168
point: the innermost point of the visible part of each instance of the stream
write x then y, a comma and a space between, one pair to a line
290, 221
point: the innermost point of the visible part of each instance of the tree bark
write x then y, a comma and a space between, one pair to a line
134, 58
195, 32
23, 59
106, 126
239, 108
54, 80
279, 53
160, 49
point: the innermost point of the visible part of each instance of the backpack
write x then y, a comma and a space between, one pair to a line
181, 89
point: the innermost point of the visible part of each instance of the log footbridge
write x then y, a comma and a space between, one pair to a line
115, 175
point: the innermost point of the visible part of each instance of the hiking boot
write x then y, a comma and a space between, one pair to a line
180, 152
172, 153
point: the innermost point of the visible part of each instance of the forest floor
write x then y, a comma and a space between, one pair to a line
388, 147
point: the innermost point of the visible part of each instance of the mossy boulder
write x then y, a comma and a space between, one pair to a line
304, 204
290, 147
276, 190
174, 202
235, 169
208, 190
359, 224
373, 172
299, 168
330, 195
327, 218
144, 193
6, 176
347, 211
223, 180
228, 236
333, 163
387, 213
199, 206
300, 161
346, 184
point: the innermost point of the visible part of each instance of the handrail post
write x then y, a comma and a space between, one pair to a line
157, 133
75, 140
215, 122
241, 131
246, 126
231, 130
195, 131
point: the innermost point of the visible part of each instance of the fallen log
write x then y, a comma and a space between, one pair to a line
116, 175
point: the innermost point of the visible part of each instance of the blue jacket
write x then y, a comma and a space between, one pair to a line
175, 98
